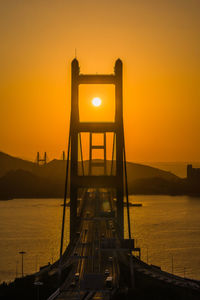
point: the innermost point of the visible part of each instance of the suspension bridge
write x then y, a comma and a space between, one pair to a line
99, 259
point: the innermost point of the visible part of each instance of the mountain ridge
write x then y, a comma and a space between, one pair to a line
25, 179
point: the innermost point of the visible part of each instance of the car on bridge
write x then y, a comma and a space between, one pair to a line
109, 282
76, 276
107, 272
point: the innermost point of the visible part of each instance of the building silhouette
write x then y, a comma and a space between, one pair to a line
193, 174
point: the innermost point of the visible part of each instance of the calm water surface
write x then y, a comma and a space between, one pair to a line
166, 228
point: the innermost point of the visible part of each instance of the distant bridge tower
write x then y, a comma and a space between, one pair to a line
41, 161
92, 147
115, 181
63, 155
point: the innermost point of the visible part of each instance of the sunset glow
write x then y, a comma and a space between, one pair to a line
159, 46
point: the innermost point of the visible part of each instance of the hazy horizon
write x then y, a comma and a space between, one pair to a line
32, 159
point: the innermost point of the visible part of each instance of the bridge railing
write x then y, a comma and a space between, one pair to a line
54, 295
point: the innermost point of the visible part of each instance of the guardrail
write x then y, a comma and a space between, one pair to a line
54, 295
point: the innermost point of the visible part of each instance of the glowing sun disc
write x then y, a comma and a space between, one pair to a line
96, 101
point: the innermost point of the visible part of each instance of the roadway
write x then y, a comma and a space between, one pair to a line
91, 265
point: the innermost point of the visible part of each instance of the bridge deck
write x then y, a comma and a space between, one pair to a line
92, 265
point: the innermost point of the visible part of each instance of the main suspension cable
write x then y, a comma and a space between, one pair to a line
126, 188
128, 214
65, 194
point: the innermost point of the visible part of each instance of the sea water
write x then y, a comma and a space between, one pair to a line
167, 228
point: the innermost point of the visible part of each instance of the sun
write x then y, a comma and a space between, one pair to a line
96, 101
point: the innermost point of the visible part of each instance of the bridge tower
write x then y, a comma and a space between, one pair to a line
94, 147
41, 161
63, 155
115, 181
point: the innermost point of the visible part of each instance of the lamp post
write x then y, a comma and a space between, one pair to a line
147, 254
38, 284
36, 263
22, 254
147, 259
172, 264
16, 268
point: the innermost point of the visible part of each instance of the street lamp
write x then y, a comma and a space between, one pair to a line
147, 253
16, 268
38, 284
22, 254
36, 263
172, 264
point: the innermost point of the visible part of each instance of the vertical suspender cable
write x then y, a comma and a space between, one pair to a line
81, 153
82, 163
113, 149
111, 169
65, 194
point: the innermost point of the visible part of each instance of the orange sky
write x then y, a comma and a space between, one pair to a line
159, 43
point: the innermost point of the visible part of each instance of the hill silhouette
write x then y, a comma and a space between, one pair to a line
25, 179
24, 184
8, 163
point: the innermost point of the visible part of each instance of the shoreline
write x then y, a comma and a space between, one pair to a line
193, 195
